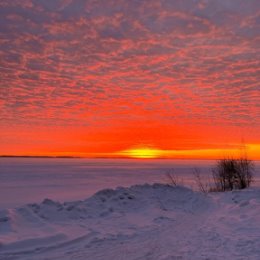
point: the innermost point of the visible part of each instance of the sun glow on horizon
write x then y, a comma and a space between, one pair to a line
142, 153
251, 151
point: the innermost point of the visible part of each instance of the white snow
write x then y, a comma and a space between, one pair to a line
147, 221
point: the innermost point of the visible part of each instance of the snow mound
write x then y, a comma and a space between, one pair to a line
156, 221
38, 221
138, 198
145, 197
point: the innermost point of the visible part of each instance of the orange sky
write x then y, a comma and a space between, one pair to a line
175, 79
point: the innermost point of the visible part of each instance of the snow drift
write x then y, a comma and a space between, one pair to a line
141, 222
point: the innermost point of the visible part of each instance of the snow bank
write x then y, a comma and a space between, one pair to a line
140, 222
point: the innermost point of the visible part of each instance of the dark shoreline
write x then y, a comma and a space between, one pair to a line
35, 156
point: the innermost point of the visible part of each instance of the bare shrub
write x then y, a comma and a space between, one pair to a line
203, 185
173, 179
245, 169
232, 174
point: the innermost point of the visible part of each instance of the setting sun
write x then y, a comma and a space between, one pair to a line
145, 152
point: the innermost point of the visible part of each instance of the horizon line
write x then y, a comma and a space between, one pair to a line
106, 157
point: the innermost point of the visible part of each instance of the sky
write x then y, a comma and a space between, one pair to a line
113, 78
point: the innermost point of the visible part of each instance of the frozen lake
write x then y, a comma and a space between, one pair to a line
27, 180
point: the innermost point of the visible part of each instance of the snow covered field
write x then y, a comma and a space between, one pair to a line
140, 222
145, 221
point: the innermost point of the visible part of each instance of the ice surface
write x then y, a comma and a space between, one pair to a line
28, 180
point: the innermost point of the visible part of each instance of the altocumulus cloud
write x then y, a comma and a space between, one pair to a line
182, 61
